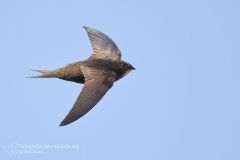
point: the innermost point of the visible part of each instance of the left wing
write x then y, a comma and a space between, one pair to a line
97, 83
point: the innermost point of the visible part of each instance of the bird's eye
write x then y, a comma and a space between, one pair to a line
123, 64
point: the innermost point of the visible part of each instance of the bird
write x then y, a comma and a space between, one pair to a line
98, 73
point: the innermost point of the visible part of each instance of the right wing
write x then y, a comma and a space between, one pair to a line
103, 46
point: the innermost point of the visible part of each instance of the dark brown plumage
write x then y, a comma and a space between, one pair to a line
98, 73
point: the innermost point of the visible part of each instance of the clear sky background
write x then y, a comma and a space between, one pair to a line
182, 102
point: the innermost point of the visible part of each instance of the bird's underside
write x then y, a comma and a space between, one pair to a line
71, 72
98, 73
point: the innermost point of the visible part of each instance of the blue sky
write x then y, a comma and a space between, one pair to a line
181, 103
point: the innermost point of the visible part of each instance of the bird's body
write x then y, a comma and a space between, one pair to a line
73, 72
97, 73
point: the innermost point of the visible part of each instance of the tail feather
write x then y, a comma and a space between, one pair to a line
44, 74
41, 71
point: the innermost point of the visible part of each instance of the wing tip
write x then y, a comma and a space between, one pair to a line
63, 123
88, 28
67, 120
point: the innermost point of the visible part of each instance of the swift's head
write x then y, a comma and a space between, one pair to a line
126, 66
124, 69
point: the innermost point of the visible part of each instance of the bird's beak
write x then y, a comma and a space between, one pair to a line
133, 68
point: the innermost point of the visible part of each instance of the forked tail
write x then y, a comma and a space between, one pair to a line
44, 74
